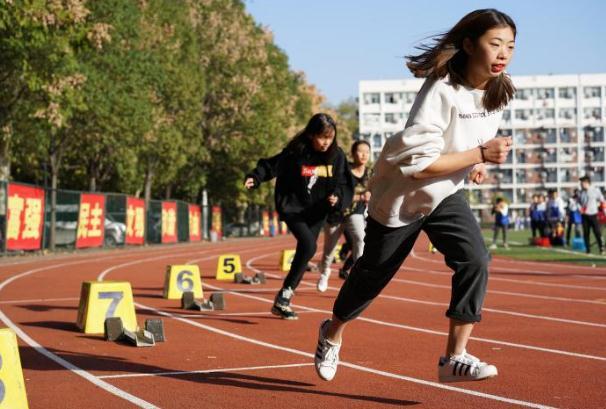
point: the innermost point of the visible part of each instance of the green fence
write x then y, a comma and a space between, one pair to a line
67, 213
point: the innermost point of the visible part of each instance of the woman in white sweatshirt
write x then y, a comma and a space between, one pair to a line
417, 184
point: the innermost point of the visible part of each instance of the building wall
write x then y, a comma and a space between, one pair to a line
557, 122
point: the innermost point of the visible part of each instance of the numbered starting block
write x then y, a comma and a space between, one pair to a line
12, 385
258, 278
153, 332
189, 302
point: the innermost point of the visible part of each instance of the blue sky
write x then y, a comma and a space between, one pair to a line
339, 42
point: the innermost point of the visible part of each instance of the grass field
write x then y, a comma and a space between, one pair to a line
520, 249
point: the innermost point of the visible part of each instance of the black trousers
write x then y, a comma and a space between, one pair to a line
306, 231
452, 229
591, 222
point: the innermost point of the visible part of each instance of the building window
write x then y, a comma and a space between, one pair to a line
524, 93
567, 92
377, 141
568, 135
545, 93
372, 98
523, 114
371, 119
592, 92
567, 113
393, 97
592, 113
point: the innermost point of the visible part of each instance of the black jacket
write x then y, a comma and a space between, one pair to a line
304, 182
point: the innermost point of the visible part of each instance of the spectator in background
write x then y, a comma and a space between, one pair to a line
555, 217
500, 211
536, 212
590, 199
573, 213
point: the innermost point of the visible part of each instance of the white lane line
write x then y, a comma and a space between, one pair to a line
512, 293
491, 277
504, 312
343, 363
411, 328
493, 310
203, 371
102, 275
235, 314
413, 254
38, 300
53, 357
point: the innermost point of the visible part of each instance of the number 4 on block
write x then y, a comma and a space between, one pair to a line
182, 278
228, 266
100, 300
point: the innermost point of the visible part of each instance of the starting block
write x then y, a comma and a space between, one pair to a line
182, 278
189, 302
154, 331
258, 278
286, 259
227, 266
12, 385
100, 300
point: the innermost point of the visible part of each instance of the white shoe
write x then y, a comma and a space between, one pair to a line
464, 367
323, 283
327, 355
493, 247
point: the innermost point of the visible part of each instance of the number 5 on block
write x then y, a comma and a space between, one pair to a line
228, 266
182, 278
105, 299
12, 386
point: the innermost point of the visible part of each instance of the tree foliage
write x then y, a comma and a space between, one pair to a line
155, 98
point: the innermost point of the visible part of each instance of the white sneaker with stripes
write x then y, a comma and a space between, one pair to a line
327, 355
464, 367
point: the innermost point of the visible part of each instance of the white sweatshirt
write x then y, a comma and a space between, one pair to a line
443, 119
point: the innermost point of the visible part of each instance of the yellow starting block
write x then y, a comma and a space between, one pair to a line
180, 279
286, 259
100, 300
228, 266
12, 386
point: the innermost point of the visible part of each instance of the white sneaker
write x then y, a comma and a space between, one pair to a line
327, 355
493, 247
464, 367
323, 283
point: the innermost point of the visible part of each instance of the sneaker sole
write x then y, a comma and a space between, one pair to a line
277, 312
452, 379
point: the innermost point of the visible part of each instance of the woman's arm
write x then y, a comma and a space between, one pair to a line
266, 170
494, 151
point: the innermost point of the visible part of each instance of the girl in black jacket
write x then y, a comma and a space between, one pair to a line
313, 177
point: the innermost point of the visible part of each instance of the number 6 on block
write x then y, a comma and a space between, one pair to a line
228, 266
105, 299
182, 278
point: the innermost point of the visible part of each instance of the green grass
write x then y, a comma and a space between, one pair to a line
520, 249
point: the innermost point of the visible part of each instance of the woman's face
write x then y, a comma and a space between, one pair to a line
322, 142
491, 53
361, 155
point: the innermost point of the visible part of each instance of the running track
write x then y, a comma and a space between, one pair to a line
544, 326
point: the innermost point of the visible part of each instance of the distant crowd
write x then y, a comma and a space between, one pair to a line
553, 220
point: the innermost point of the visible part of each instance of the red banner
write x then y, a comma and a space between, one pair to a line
91, 221
265, 218
194, 223
25, 219
135, 221
169, 222
216, 224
